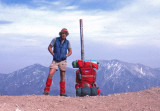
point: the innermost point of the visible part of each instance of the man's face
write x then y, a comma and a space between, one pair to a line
63, 35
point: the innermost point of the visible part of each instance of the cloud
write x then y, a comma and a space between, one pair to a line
12, 42
54, 5
70, 7
135, 23
5, 22
45, 2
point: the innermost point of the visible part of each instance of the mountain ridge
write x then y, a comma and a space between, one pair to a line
113, 76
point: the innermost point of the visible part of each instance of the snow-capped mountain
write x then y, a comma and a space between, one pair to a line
113, 76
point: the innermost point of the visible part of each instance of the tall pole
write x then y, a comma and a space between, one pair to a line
82, 41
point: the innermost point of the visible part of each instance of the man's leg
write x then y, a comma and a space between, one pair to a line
62, 66
51, 72
49, 81
62, 75
53, 69
62, 84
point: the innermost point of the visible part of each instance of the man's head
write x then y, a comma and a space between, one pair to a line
64, 31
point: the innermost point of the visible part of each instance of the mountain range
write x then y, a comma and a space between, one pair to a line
113, 76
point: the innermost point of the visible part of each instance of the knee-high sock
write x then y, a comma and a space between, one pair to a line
48, 84
62, 87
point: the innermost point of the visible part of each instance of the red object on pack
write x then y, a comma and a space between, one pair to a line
88, 75
98, 91
86, 64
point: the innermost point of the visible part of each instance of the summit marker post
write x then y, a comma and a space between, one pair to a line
82, 40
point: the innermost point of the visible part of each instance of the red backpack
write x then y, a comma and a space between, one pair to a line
86, 79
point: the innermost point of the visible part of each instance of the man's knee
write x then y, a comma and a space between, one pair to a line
51, 72
62, 72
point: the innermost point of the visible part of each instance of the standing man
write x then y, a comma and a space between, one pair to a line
60, 46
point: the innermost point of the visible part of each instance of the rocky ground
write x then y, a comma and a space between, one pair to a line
147, 100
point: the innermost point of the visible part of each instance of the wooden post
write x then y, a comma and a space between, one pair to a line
82, 41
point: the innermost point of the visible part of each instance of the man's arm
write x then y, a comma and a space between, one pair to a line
69, 52
50, 49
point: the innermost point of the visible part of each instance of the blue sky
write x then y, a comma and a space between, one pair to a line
113, 29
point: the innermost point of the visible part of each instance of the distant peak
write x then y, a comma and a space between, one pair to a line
115, 60
36, 64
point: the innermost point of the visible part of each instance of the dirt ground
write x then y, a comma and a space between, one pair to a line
147, 100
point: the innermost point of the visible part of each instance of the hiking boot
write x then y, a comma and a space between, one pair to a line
63, 95
46, 93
